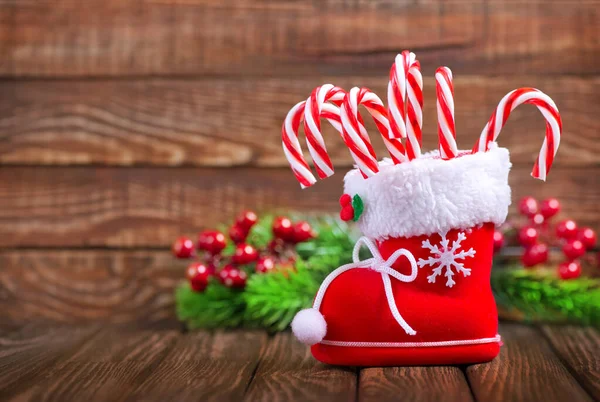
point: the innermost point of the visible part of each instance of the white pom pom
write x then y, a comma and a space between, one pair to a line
309, 326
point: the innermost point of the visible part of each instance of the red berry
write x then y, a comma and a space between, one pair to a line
345, 199
573, 249
538, 219
542, 252
588, 237
528, 236
569, 270
244, 254
237, 234
528, 206
233, 277
550, 207
347, 213
194, 269
302, 232
528, 259
183, 247
198, 275
246, 220
212, 241
264, 265
282, 228
498, 241
566, 229
534, 255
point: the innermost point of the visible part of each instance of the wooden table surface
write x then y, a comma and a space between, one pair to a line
98, 363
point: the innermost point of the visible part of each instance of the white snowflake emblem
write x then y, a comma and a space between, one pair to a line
446, 257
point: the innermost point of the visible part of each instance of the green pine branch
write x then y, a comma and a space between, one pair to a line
216, 307
272, 300
541, 296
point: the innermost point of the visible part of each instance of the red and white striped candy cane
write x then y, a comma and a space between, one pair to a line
291, 145
396, 93
414, 111
445, 111
312, 124
289, 135
405, 102
553, 126
355, 135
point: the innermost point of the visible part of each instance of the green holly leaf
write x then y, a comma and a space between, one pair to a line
358, 205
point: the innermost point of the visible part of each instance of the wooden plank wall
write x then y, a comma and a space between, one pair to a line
124, 123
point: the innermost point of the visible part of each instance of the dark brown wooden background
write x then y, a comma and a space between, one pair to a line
124, 123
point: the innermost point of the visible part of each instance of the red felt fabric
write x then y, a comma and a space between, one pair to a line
356, 309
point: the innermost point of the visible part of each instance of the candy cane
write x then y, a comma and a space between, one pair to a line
445, 111
289, 135
312, 125
553, 126
414, 112
405, 102
291, 145
356, 137
396, 93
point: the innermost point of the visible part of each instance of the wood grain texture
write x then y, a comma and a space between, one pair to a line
237, 122
150, 37
205, 367
579, 349
27, 354
141, 207
89, 286
413, 384
108, 367
526, 370
287, 371
122, 363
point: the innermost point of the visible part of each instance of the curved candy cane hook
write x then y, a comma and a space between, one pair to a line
553, 126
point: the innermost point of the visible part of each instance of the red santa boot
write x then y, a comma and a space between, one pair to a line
424, 297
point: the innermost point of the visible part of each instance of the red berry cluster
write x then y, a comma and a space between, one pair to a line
538, 234
286, 234
211, 244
